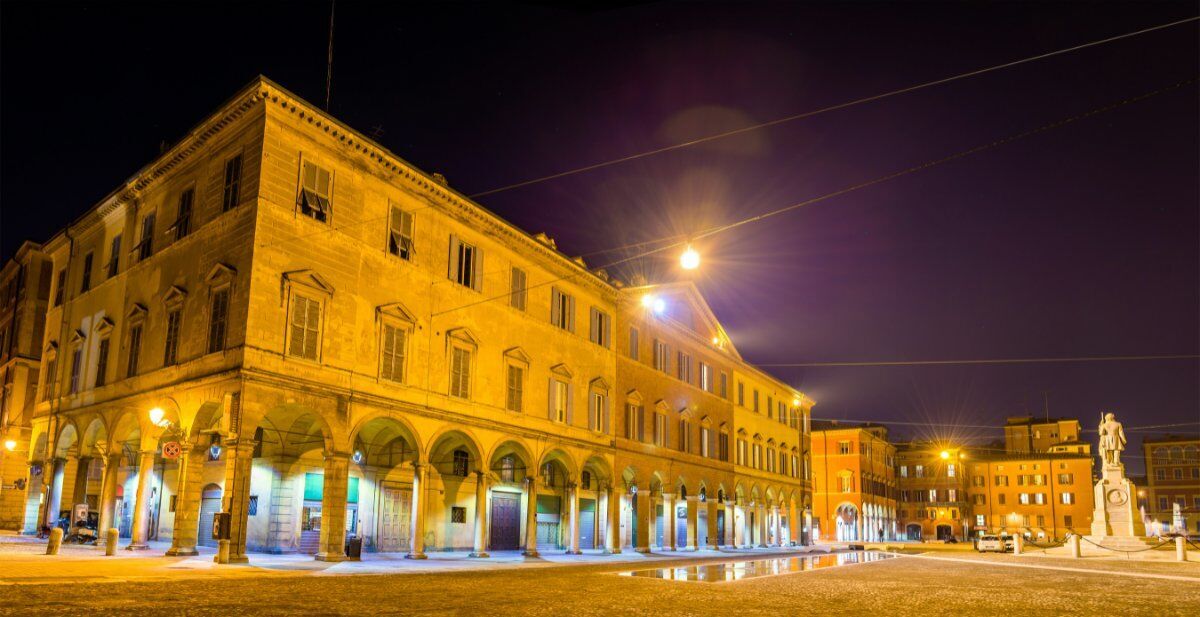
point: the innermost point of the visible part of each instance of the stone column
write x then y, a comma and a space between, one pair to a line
641, 543
333, 507
56, 468
417, 544
761, 519
481, 515
66, 486
714, 542
108, 493
530, 517
187, 502
281, 526
141, 503
573, 521
612, 540
669, 529
793, 524
693, 520
743, 526
728, 540
778, 526
235, 498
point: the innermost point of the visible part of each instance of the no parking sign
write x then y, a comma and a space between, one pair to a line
171, 450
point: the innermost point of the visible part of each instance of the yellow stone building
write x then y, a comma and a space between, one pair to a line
280, 320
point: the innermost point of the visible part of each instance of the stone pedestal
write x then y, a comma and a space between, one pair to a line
1116, 513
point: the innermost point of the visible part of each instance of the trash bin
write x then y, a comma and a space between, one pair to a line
354, 547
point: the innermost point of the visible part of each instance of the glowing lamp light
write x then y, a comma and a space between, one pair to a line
716, 340
690, 259
357, 457
158, 417
795, 402
10, 445
945, 454
648, 301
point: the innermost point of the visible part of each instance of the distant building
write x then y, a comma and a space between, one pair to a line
854, 482
1173, 477
1041, 495
1028, 434
933, 491
24, 294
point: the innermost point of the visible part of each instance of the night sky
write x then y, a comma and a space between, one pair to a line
1081, 241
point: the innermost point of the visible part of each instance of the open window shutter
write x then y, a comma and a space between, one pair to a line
309, 180
571, 313
606, 414
452, 272
389, 344
477, 270
550, 401
641, 423
555, 302
296, 345
606, 332
570, 404
313, 334
406, 227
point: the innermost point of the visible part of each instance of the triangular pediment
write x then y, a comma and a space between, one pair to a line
687, 308
136, 311
308, 278
397, 310
104, 326
175, 295
518, 354
220, 273
562, 370
78, 335
633, 396
463, 335
599, 383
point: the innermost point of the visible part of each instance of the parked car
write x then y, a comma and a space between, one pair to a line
991, 544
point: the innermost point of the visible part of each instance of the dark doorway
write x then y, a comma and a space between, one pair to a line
506, 522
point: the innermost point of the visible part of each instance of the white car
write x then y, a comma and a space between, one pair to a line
991, 544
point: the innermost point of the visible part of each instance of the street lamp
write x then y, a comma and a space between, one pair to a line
690, 259
10, 445
945, 454
158, 418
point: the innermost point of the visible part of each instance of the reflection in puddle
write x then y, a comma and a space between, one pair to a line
737, 570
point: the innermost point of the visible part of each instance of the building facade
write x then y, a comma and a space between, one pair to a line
1040, 495
933, 491
280, 320
1173, 482
855, 490
24, 295
1024, 434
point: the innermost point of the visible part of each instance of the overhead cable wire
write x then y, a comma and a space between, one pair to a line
982, 361
843, 105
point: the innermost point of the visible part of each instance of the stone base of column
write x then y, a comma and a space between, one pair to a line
532, 553
479, 555
642, 549
416, 556
137, 547
615, 551
570, 552
332, 557
690, 547
182, 552
238, 559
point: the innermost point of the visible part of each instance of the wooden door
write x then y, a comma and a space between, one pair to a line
506, 522
395, 519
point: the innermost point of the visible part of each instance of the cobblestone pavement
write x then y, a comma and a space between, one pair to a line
969, 585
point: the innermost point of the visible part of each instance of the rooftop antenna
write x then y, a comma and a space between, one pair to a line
329, 58
1046, 404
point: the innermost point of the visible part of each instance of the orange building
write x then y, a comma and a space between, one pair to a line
1173, 478
933, 495
854, 482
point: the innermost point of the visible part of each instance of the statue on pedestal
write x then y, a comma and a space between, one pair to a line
1112, 440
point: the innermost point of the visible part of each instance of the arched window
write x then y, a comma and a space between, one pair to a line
720, 495
703, 494
1176, 453
508, 469
462, 461
585, 480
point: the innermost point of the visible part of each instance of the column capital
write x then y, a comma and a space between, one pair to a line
337, 456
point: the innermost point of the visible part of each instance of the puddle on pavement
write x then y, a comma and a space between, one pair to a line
738, 570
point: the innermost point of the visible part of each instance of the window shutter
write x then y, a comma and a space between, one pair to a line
570, 404
591, 417
555, 304
606, 413
389, 345
452, 271
641, 423
550, 401
606, 332
477, 270
592, 325
406, 224
310, 177
310, 338
299, 310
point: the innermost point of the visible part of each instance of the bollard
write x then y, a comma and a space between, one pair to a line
1018, 544
222, 551
1180, 549
110, 541
55, 542
1074, 542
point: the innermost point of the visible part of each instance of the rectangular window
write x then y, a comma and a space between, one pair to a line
395, 342
218, 320
305, 327
560, 401
597, 403
1160, 474
640, 420
466, 264
516, 388
145, 247
1177, 474
460, 372
135, 350
685, 436
770, 407
562, 310
741, 452
1068, 498
1039, 498
114, 256
843, 447
76, 368
951, 471
660, 429
756, 401
171, 350
50, 379
723, 446
60, 288
1163, 504
519, 293
183, 221
458, 514
933, 495
662, 356
705, 447
1066, 478
952, 494
600, 332
723, 386
1024, 498
919, 471
85, 282
683, 367
741, 394
904, 471
315, 200
633, 343
102, 362
231, 196
400, 234
706, 380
